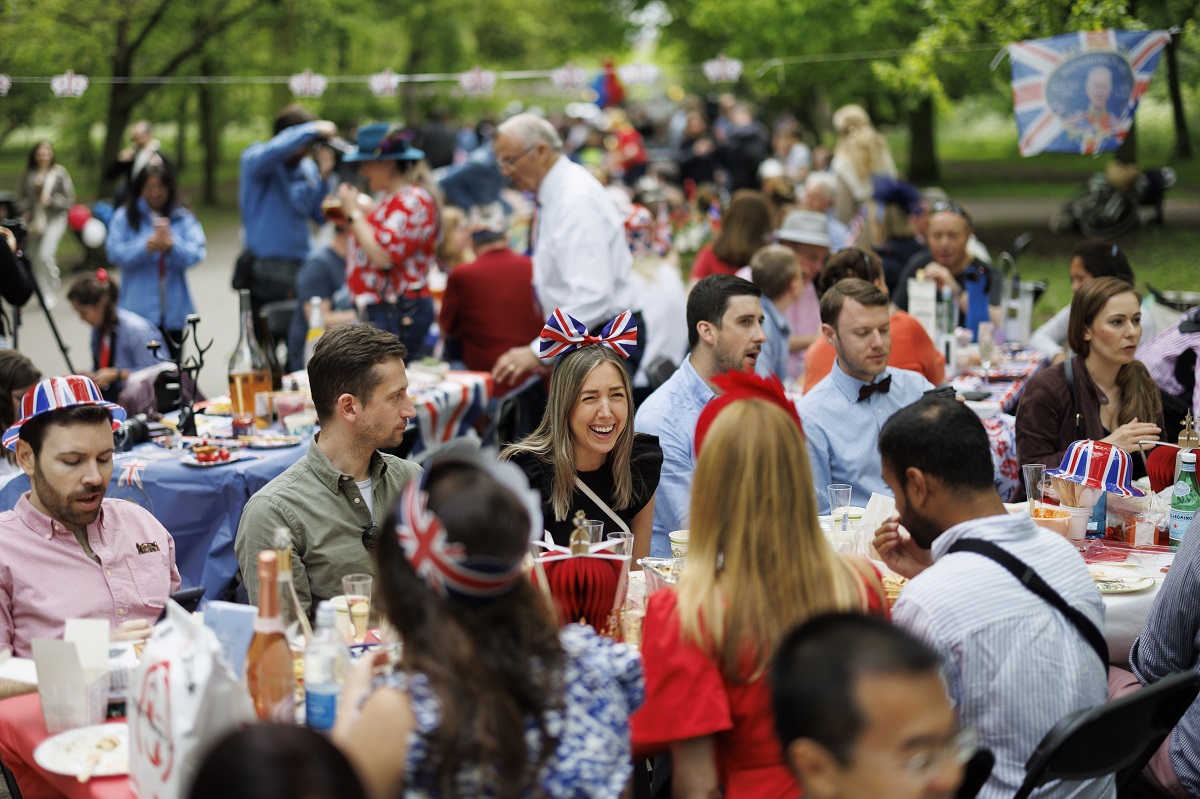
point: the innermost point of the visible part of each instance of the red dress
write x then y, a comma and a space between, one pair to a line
688, 696
707, 263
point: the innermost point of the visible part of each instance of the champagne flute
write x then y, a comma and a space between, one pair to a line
987, 348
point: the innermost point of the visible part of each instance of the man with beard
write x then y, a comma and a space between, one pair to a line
844, 413
66, 552
280, 191
1014, 663
330, 499
725, 332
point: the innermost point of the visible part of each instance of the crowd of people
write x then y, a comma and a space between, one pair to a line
723, 403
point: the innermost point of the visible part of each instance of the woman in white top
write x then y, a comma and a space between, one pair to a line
861, 153
46, 195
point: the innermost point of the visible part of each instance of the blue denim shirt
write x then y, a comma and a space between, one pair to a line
671, 413
140, 290
278, 200
773, 360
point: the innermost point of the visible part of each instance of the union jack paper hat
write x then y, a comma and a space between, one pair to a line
56, 393
1097, 464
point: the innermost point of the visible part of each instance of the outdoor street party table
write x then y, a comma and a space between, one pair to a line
1005, 381
21, 730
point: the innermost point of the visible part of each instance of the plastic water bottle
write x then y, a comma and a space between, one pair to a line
325, 664
945, 311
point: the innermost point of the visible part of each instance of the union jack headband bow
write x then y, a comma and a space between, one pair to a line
445, 567
564, 333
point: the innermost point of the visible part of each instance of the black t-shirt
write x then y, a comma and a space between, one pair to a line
645, 465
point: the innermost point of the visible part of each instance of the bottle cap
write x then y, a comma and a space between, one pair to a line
326, 614
1189, 457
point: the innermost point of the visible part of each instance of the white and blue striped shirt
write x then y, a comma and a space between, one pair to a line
1014, 665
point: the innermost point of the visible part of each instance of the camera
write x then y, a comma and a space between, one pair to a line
338, 145
19, 231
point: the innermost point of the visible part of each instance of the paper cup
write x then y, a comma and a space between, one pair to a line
1077, 524
679, 543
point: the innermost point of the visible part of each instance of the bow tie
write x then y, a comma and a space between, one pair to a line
883, 387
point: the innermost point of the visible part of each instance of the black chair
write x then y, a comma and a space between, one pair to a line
657, 373
1118, 738
275, 318
11, 782
976, 773
518, 413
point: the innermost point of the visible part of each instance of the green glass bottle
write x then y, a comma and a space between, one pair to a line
1185, 499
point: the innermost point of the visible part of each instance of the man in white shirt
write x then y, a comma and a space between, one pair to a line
581, 262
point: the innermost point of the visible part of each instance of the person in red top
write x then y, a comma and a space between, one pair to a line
489, 307
912, 348
758, 564
393, 245
747, 226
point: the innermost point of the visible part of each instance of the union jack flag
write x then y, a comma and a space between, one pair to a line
131, 473
564, 333
1097, 464
443, 566
1078, 92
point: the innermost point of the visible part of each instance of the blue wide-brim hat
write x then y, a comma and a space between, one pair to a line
380, 141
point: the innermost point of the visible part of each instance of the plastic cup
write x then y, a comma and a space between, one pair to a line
839, 498
595, 530
1034, 474
626, 545
358, 600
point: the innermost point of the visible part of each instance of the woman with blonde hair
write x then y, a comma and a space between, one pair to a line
1102, 392
860, 154
758, 564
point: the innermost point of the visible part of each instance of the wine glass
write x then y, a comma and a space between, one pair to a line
987, 348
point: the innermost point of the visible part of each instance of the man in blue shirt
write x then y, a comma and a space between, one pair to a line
280, 190
322, 275
774, 269
725, 332
844, 413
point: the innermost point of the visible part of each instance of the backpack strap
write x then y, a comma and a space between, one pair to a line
1030, 579
1069, 370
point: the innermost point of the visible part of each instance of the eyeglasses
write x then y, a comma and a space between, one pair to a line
950, 207
924, 765
510, 163
370, 536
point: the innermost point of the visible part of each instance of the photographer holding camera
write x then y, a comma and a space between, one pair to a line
16, 283
281, 187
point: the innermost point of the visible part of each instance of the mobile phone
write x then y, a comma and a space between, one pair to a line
188, 599
941, 391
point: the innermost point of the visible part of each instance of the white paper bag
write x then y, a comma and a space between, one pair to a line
183, 697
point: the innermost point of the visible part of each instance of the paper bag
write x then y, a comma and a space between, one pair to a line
184, 696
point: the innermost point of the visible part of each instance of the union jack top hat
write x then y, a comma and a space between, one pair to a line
1097, 464
56, 393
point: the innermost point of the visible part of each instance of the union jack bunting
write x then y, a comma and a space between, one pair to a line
383, 84
444, 567
564, 333
569, 76
722, 69
477, 80
1077, 93
308, 84
69, 84
1097, 464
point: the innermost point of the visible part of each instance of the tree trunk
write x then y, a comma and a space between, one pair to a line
283, 47
210, 133
922, 150
181, 125
1183, 144
120, 104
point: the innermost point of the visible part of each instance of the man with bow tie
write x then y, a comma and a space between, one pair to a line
844, 413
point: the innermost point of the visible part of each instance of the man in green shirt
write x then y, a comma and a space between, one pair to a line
330, 500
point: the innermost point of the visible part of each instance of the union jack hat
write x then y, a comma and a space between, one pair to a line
56, 393
1097, 464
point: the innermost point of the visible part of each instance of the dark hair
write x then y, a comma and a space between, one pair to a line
494, 665
16, 371
852, 262
31, 161
1140, 397
342, 364
744, 229
944, 439
92, 290
33, 432
164, 174
709, 300
852, 288
275, 761
1104, 259
291, 116
819, 663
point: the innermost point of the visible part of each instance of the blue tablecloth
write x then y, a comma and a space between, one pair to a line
200, 507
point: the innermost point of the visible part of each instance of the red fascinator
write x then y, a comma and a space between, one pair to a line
738, 385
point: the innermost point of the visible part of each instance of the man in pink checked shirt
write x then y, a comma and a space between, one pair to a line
65, 551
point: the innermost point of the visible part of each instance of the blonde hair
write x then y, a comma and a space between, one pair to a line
758, 563
859, 143
552, 443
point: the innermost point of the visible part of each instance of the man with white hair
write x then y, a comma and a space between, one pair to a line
819, 189
581, 262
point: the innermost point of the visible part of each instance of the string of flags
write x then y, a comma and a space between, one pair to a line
476, 81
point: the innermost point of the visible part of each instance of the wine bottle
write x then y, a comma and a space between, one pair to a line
270, 676
249, 369
291, 612
316, 328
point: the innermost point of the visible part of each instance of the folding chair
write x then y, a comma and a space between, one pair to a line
1118, 738
11, 782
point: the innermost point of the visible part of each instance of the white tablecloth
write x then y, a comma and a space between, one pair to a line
1124, 617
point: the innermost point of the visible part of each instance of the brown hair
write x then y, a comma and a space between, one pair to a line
852, 288
95, 289
16, 372
342, 364
494, 665
1140, 398
773, 269
853, 262
744, 230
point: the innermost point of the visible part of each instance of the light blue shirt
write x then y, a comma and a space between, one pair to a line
278, 200
1014, 665
671, 413
842, 433
141, 291
773, 360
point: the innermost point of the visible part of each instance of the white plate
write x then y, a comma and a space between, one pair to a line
234, 457
1115, 580
270, 442
68, 752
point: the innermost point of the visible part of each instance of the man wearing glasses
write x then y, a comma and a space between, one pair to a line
581, 261
861, 712
1015, 662
975, 285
